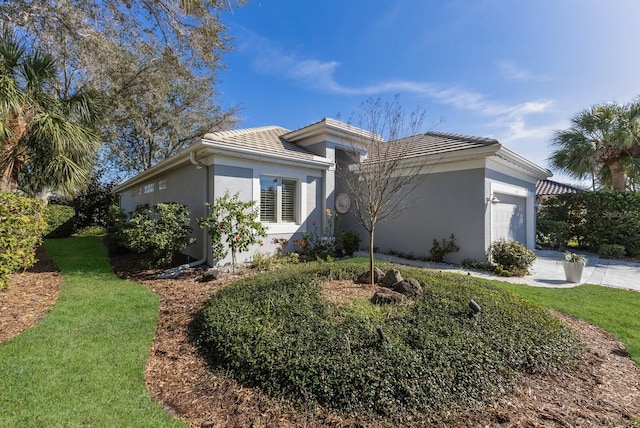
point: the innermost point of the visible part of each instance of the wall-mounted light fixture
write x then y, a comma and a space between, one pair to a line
492, 199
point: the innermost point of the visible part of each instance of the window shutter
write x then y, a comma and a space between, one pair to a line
288, 201
268, 200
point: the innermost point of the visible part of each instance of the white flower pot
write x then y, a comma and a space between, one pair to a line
573, 270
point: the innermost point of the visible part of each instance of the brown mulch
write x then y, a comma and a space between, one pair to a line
29, 297
603, 390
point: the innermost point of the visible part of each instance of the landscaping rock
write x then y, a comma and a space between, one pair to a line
409, 287
385, 296
391, 278
377, 276
209, 275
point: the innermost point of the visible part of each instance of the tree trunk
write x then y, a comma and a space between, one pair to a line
371, 266
618, 179
13, 161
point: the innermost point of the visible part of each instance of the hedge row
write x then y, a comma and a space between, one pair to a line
594, 219
22, 224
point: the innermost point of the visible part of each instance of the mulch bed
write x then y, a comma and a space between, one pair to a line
29, 297
603, 390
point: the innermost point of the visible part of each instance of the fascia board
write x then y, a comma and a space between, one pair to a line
522, 163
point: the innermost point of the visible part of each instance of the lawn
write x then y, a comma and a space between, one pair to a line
84, 364
612, 309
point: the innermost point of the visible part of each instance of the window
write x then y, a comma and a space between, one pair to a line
162, 184
148, 188
278, 200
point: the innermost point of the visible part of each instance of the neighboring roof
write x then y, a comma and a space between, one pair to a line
266, 139
549, 187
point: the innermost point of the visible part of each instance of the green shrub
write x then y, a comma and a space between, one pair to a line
22, 224
163, 230
438, 251
596, 218
553, 233
350, 242
511, 257
92, 205
611, 251
59, 221
276, 332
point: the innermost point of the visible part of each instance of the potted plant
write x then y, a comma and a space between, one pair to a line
573, 265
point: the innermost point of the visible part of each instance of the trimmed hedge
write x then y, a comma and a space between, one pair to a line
275, 331
21, 226
60, 221
597, 218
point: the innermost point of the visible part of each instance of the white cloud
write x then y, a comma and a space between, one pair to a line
508, 121
510, 70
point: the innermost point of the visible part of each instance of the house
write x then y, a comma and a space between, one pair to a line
548, 188
476, 188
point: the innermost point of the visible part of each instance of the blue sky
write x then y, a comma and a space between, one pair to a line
512, 70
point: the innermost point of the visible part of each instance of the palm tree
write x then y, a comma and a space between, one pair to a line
602, 143
46, 141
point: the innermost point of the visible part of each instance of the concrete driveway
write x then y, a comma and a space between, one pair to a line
547, 271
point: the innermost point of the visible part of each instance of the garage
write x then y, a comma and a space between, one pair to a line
508, 216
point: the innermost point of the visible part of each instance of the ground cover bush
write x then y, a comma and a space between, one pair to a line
276, 332
22, 224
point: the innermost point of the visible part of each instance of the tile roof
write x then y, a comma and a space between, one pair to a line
549, 187
434, 143
266, 138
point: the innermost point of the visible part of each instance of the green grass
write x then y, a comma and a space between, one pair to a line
84, 364
614, 310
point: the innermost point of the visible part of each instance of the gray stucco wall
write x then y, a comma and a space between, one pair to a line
504, 178
444, 203
234, 180
185, 185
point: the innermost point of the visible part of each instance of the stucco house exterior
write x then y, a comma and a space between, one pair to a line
475, 188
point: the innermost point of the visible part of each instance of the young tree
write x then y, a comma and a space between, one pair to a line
382, 175
603, 143
233, 226
47, 141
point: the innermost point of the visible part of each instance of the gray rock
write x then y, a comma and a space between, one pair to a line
210, 275
377, 276
392, 277
409, 287
385, 296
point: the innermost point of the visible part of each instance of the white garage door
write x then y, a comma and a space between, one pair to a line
508, 219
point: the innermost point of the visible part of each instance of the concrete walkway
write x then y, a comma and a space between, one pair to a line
547, 271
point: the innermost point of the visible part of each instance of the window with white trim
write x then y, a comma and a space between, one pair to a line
148, 188
278, 200
162, 184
